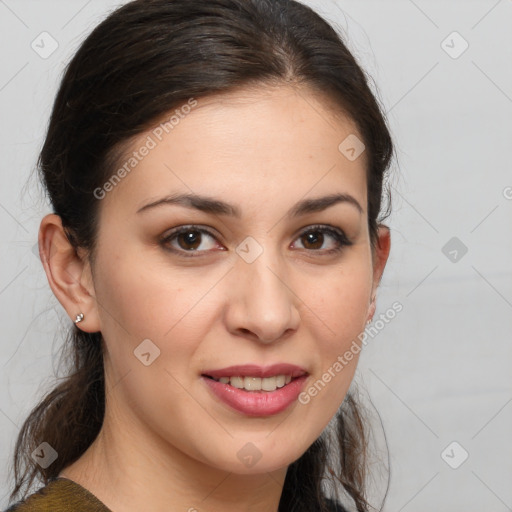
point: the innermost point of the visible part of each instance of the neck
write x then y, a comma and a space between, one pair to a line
130, 469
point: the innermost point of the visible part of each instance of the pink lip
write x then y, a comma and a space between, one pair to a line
257, 403
252, 370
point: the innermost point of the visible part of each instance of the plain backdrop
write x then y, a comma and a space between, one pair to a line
439, 373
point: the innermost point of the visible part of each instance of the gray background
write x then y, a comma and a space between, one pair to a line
440, 371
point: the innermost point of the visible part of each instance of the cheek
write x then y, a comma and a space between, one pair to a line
138, 303
145, 300
338, 306
340, 301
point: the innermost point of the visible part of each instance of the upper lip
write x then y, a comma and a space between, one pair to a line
253, 370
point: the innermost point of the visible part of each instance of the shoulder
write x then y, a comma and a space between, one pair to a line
60, 495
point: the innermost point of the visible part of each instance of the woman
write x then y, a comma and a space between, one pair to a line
215, 170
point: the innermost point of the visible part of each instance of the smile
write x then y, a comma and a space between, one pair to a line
255, 383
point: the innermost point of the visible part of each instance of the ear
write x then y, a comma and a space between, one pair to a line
69, 274
379, 257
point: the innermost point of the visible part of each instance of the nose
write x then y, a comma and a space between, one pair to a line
261, 303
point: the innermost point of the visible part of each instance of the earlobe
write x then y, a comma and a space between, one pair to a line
371, 309
68, 275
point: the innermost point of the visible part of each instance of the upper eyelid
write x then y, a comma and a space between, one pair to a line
190, 227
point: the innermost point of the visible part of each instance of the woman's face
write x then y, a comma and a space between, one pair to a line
273, 266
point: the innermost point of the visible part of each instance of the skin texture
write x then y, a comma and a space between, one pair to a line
167, 443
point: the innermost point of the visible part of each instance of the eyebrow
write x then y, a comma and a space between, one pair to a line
218, 207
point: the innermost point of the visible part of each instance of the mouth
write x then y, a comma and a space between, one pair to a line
254, 390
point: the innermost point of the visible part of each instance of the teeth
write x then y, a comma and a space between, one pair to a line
257, 383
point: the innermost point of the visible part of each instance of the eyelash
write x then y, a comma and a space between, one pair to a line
338, 235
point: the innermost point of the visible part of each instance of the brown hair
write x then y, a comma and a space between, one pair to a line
145, 59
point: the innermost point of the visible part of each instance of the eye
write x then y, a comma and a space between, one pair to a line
187, 240
190, 239
323, 239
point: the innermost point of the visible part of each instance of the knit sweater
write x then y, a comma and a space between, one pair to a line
64, 495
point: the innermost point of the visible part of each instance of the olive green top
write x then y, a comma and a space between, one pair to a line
64, 495
60, 495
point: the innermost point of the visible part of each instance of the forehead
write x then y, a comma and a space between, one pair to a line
276, 139
282, 105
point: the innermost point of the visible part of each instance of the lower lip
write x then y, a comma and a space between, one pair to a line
257, 403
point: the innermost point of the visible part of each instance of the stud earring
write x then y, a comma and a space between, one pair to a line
79, 318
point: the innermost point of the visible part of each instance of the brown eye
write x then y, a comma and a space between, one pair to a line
323, 239
190, 239
313, 240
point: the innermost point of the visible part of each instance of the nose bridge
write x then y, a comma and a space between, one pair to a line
262, 300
